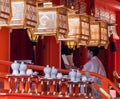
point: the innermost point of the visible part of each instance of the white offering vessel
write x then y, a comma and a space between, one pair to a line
22, 68
59, 75
29, 72
84, 78
78, 75
53, 72
15, 68
47, 72
72, 75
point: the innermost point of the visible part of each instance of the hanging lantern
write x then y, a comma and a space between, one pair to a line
71, 44
5, 11
94, 39
53, 21
24, 14
73, 34
84, 29
104, 39
98, 33
78, 29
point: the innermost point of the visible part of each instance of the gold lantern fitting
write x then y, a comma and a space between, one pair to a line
33, 38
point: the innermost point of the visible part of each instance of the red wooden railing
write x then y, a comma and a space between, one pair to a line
105, 82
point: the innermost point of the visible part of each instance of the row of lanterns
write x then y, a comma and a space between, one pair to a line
58, 21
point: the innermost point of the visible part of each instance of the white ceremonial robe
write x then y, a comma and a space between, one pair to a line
95, 65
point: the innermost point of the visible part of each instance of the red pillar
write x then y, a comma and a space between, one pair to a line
117, 67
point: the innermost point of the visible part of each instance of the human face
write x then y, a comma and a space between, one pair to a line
89, 54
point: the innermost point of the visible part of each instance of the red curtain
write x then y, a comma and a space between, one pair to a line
21, 47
